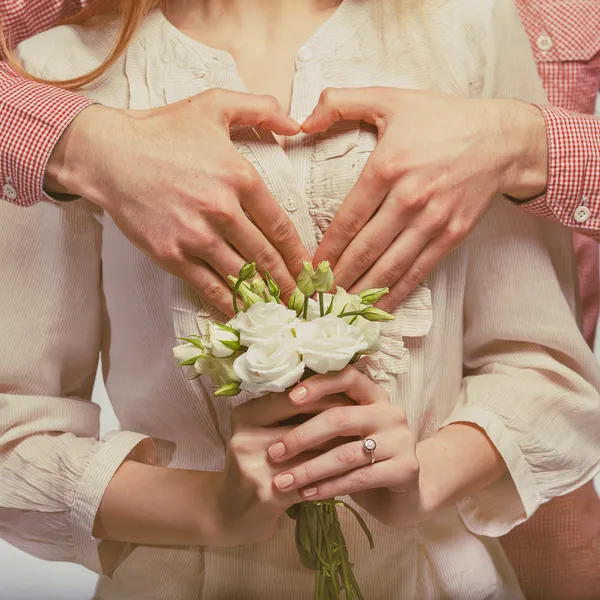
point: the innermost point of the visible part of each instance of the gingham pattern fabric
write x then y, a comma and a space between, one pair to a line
32, 116
565, 37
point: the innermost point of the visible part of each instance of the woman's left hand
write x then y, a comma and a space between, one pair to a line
382, 481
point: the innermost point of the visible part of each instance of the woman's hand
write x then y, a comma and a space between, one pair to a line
387, 487
249, 504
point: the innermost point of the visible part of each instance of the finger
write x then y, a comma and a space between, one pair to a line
219, 255
331, 464
208, 284
254, 246
349, 381
345, 104
369, 245
251, 110
273, 409
336, 422
385, 474
360, 205
395, 261
415, 274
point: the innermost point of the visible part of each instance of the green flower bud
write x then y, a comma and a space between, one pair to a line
227, 390
273, 287
259, 287
376, 314
248, 296
305, 281
323, 277
373, 295
296, 302
248, 271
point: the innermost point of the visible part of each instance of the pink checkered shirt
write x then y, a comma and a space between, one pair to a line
32, 116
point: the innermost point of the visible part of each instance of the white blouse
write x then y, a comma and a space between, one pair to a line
490, 339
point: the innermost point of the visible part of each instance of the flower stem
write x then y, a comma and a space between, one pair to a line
321, 304
305, 309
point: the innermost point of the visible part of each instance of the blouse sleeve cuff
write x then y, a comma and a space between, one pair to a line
573, 171
495, 510
115, 449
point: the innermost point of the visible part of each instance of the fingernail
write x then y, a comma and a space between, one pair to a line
277, 450
284, 481
298, 394
310, 492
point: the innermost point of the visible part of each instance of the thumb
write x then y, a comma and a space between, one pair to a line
253, 110
345, 104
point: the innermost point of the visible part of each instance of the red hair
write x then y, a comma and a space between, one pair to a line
130, 14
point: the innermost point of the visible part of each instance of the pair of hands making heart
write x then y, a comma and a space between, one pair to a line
435, 169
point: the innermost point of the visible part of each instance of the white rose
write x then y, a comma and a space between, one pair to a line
216, 336
371, 332
185, 353
262, 321
342, 300
270, 366
329, 343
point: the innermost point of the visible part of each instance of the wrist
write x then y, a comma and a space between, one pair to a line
77, 165
522, 139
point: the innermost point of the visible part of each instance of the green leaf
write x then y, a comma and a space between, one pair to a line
227, 328
233, 345
194, 340
189, 362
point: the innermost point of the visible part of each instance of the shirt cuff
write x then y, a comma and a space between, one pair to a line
501, 506
573, 171
116, 448
34, 116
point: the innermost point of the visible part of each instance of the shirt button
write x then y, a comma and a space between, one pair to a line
304, 54
544, 42
9, 191
582, 214
290, 204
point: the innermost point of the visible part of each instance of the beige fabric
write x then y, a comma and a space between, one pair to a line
490, 340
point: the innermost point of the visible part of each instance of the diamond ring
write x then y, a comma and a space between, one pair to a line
369, 445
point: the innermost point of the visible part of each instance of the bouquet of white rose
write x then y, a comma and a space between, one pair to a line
267, 348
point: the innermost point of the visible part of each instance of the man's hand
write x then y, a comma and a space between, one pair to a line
439, 162
176, 186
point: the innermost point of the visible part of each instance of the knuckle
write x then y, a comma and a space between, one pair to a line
271, 103
282, 231
337, 419
359, 479
327, 96
211, 291
347, 455
412, 468
413, 277
264, 258
240, 445
294, 441
245, 178
350, 225
388, 169
456, 230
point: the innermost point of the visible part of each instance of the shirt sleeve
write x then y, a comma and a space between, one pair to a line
33, 116
531, 383
573, 171
54, 465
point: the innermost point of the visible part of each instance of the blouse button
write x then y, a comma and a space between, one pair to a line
290, 204
582, 214
544, 42
9, 191
304, 54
